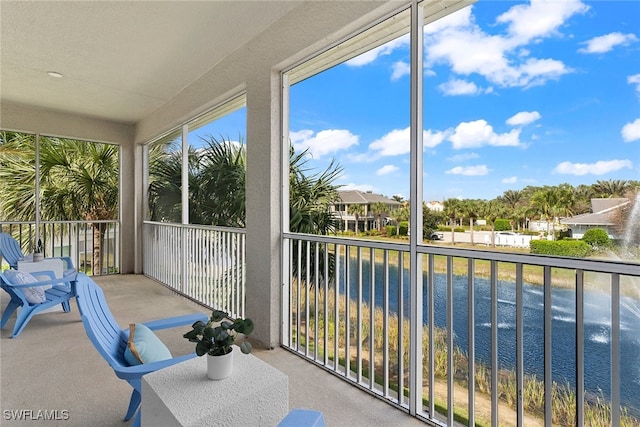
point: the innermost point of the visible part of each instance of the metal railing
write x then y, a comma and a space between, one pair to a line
93, 246
203, 263
502, 338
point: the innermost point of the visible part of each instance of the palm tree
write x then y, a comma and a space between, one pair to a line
552, 202
165, 181
356, 210
17, 176
470, 208
611, 188
491, 211
398, 215
452, 208
511, 198
216, 175
219, 193
378, 209
78, 181
311, 194
582, 195
217, 183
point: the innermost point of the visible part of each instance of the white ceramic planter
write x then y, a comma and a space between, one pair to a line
219, 367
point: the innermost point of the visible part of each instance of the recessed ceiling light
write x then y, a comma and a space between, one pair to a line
55, 74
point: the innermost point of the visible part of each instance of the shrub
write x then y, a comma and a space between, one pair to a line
391, 230
404, 228
571, 248
596, 237
502, 224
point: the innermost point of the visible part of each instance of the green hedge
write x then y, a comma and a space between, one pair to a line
391, 230
455, 229
572, 248
596, 237
404, 228
502, 224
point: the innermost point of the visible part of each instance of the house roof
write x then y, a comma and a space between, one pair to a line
603, 205
358, 197
602, 212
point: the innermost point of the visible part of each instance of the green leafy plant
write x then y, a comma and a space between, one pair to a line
217, 340
596, 237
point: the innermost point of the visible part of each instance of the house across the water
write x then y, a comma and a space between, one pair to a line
605, 214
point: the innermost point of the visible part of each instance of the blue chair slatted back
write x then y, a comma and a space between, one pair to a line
111, 341
10, 250
100, 325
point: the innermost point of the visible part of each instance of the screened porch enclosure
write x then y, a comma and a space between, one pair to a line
440, 334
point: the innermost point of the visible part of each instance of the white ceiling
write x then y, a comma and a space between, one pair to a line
120, 60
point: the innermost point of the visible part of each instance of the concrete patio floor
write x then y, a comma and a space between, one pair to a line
53, 366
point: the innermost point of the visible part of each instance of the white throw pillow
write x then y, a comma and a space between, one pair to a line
34, 294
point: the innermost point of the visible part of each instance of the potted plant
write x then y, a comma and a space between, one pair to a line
38, 254
217, 341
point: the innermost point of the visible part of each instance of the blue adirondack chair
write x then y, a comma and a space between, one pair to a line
110, 340
61, 292
11, 252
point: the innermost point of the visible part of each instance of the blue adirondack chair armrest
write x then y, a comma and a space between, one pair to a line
37, 274
67, 260
134, 372
172, 322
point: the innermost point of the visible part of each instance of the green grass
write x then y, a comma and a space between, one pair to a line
597, 411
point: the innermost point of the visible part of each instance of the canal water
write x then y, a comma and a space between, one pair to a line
597, 328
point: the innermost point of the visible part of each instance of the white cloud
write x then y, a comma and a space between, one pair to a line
631, 131
536, 72
394, 143
398, 142
324, 142
360, 187
540, 18
635, 80
510, 180
400, 69
502, 59
607, 42
523, 118
600, 167
478, 170
386, 169
463, 157
479, 133
432, 139
459, 87
373, 54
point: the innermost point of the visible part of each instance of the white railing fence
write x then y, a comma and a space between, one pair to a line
93, 246
502, 338
203, 263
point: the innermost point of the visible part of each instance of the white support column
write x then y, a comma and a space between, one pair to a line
141, 212
131, 193
415, 220
185, 207
264, 205
37, 190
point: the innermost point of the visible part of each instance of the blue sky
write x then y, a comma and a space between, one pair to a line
515, 94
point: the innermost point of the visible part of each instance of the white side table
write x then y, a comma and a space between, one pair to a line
256, 394
48, 264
